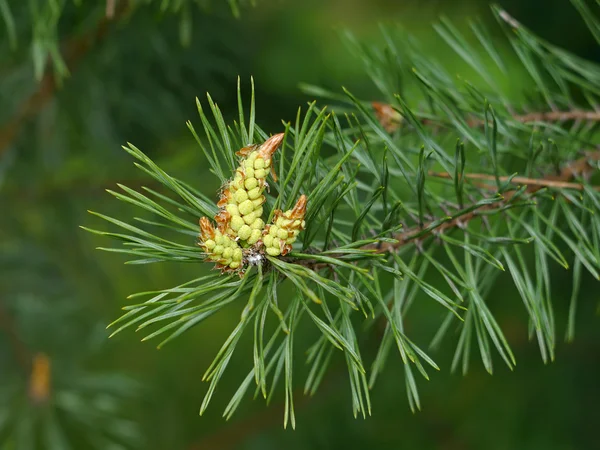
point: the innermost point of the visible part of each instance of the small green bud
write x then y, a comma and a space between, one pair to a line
271, 251
254, 237
233, 210
259, 163
237, 254
273, 230
218, 250
219, 239
240, 196
227, 253
254, 193
237, 179
234, 264
276, 242
246, 207
210, 244
258, 224
236, 223
259, 173
250, 183
244, 232
282, 234
268, 240
250, 218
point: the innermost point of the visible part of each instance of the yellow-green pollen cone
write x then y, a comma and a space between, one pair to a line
240, 236
220, 248
279, 236
240, 213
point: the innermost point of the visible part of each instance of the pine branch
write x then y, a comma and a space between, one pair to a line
579, 168
357, 179
75, 49
186, 305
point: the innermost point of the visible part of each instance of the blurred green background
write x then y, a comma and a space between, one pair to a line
59, 150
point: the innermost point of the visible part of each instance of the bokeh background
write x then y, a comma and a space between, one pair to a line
136, 82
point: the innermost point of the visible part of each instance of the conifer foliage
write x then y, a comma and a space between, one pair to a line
442, 175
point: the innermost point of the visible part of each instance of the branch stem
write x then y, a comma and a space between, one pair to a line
391, 119
541, 182
580, 167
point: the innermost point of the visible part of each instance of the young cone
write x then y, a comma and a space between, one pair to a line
242, 199
218, 247
279, 236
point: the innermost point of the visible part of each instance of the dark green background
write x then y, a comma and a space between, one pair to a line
138, 85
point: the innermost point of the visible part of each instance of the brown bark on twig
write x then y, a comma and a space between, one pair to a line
391, 119
541, 182
559, 116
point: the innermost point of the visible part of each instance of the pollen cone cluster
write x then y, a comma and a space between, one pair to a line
279, 236
218, 247
240, 231
242, 199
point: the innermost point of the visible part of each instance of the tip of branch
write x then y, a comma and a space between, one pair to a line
270, 146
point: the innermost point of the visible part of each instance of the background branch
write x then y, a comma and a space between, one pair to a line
391, 119
74, 50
